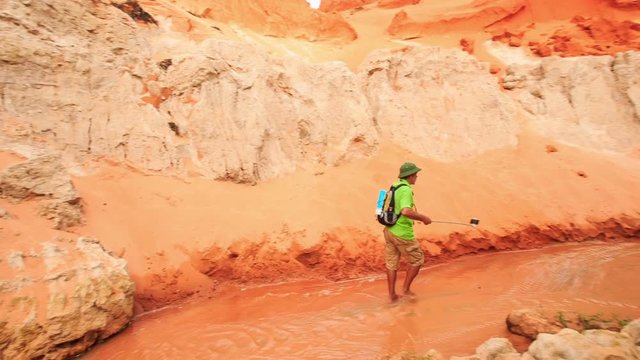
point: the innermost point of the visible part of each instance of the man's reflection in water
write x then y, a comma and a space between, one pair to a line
402, 331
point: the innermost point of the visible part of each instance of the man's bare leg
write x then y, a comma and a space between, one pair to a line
391, 282
412, 272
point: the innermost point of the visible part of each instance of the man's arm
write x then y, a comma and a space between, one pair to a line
412, 214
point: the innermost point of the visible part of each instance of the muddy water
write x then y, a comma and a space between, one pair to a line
458, 305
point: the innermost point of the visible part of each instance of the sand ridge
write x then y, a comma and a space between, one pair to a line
189, 236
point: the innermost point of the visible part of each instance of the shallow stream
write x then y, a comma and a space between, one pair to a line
459, 304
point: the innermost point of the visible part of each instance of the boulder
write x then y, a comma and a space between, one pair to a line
633, 330
611, 339
590, 345
496, 348
530, 323
45, 178
89, 297
405, 355
589, 101
493, 349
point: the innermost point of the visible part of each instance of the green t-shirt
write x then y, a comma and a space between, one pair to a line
403, 199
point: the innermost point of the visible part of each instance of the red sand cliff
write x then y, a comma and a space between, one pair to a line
349, 30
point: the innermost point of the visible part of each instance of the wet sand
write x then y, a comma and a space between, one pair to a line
459, 304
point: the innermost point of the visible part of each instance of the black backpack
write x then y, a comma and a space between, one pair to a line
388, 216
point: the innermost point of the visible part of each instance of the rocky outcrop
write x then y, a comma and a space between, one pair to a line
227, 109
590, 344
493, 349
42, 176
64, 79
92, 83
530, 323
441, 104
633, 330
591, 101
564, 343
46, 178
254, 117
61, 298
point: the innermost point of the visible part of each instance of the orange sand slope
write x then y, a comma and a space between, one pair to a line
184, 237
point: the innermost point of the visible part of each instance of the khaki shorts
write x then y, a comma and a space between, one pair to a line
395, 247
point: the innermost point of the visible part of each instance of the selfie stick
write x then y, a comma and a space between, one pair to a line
473, 222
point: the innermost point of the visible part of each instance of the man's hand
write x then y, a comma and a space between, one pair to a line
412, 214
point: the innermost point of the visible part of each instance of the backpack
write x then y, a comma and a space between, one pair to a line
387, 216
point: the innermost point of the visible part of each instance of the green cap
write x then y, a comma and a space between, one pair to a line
408, 169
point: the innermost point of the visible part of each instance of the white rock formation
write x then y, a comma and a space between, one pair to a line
590, 101
254, 117
83, 78
85, 81
442, 104
590, 345
44, 177
496, 348
633, 330
89, 297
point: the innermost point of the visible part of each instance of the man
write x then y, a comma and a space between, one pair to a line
400, 238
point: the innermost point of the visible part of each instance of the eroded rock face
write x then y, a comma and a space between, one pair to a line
441, 104
93, 82
89, 84
592, 101
88, 297
44, 177
70, 79
254, 117
633, 330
